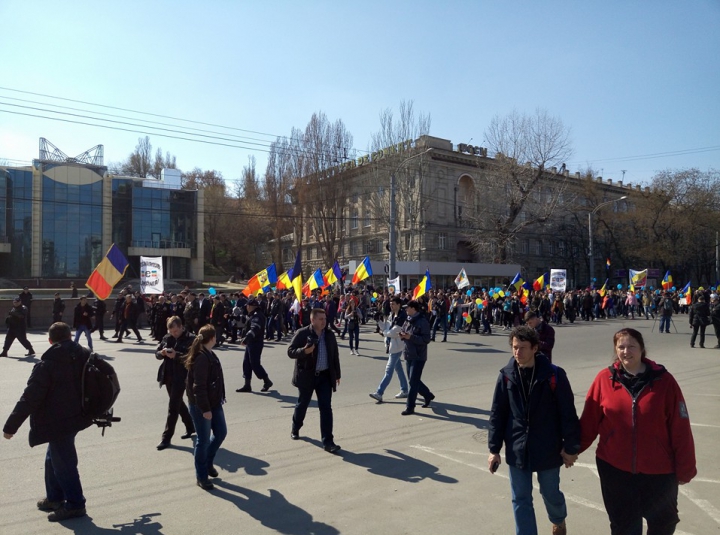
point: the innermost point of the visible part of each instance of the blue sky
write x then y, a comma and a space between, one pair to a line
637, 82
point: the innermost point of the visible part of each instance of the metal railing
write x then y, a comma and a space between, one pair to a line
161, 244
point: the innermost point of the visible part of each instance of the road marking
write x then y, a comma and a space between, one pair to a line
712, 511
704, 425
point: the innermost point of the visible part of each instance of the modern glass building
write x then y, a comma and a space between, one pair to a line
58, 219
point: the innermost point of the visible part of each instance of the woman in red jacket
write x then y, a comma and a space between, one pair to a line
646, 446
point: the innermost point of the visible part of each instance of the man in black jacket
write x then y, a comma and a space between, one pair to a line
53, 402
533, 415
254, 341
58, 308
15, 323
416, 335
172, 350
317, 369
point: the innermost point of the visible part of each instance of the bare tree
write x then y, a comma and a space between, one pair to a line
140, 162
519, 190
414, 190
279, 177
321, 193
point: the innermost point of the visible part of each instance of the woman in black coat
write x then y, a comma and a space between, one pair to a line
699, 319
206, 395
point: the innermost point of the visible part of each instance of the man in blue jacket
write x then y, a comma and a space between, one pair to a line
533, 414
52, 400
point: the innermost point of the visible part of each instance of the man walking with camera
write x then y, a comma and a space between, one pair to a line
53, 400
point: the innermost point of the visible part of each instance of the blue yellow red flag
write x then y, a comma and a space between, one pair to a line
107, 273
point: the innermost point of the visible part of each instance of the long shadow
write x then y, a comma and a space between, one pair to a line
232, 462
32, 359
273, 511
138, 349
396, 465
448, 411
145, 525
292, 400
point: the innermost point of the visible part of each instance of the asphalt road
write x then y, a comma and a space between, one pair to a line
395, 474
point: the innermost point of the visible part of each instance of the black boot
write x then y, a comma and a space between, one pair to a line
246, 388
267, 383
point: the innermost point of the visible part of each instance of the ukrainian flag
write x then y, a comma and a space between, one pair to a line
107, 273
316, 280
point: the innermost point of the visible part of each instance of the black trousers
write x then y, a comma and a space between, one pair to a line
125, 326
695, 333
176, 407
251, 362
18, 334
322, 387
631, 497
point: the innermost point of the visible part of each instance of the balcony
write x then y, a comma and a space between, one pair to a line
160, 248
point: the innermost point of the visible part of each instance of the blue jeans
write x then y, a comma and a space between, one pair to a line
393, 364
354, 333
323, 389
83, 329
62, 480
521, 487
440, 320
414, 371
206, 446
665, 321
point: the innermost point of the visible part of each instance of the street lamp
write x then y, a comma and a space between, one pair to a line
590, 232
392, 245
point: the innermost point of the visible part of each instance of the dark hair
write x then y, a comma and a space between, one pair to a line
59, 331
207, 332
174, 321
531, 314
396, 300
632, 333
414, 304
524, 333
315, 311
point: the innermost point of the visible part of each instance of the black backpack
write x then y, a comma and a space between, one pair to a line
99, 387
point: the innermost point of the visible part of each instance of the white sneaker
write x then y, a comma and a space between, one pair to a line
377, 397
401, 395
352, 352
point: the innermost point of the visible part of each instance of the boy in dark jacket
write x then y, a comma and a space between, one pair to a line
533, 414
53, 402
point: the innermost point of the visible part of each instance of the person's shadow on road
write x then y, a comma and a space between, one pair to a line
273, 511
145, 525
232, 462
457, 413
396, 465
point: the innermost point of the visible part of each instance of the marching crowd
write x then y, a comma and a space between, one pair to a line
532, 416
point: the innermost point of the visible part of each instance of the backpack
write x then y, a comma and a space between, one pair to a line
667, 305
99, 387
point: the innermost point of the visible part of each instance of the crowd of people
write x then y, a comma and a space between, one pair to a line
532, 416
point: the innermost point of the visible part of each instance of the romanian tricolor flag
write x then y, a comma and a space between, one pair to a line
517, 282
422, 288
667, 281
687, 292
540, 282
295, 275
283, 282
333, 274
603, 290
261, 282
363, 271
316, 280
107, 273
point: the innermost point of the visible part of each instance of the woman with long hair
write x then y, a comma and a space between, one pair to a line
206, 396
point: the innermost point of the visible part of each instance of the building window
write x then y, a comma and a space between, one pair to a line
370, 247
551, 248
354, 199
537, 247
442, 241
355, 217
354, 248
524, 246
368, 217
407, 241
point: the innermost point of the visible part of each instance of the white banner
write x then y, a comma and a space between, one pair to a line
393, 285
461, 281
151, 275
558, 280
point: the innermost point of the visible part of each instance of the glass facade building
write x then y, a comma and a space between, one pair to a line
57, 220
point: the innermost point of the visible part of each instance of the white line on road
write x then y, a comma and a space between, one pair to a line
712, 511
